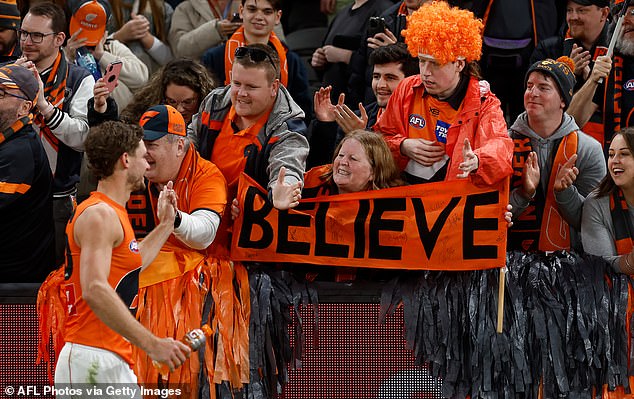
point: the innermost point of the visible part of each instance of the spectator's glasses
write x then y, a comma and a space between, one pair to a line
187, 103
255, 54
36, 37
4, 93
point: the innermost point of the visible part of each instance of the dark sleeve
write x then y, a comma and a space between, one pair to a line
213, 59
17, 171
111, 114
357, 81
549, 48
298, 84
323, 139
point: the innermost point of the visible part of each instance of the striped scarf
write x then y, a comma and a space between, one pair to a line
54, 89
621, 221
16, 127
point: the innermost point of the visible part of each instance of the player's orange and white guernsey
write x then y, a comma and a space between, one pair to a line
88, 339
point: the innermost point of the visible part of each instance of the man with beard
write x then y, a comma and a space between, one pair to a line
61, 108
102, 269
608, 94
9, 24
587, 37
26, 203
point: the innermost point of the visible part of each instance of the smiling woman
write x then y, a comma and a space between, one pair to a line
608, 212
362, 162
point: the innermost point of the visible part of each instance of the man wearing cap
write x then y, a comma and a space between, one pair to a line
555, 164
586, 39
101, 276
9, 25
201, 193
88, 28
26, 200
445, 124
60, 117
607, 97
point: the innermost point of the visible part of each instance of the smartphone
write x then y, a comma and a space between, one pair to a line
111, 76
236, 17
376, 25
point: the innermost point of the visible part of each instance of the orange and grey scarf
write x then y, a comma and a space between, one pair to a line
15, 127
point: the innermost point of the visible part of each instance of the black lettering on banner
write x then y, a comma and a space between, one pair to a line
377, 224
255, 217
322, 248
284, 221
429, 237
470, 224
359, 228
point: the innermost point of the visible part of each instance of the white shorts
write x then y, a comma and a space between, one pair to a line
81, 367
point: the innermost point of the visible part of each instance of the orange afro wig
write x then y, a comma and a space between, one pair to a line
446, 33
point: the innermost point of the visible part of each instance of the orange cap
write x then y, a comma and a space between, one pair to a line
91, 17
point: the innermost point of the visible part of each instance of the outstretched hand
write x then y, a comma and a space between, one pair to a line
470, 161
348, 120
285, 196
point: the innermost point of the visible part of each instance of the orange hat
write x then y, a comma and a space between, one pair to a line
160, 120
91, 17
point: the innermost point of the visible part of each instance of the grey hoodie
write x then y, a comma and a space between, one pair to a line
590, 163
285, 127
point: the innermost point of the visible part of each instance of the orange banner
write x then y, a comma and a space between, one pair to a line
440, 226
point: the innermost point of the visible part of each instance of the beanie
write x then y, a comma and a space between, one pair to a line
9, 14
561, 70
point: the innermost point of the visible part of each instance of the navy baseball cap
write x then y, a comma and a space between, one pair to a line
15, 76
160, 120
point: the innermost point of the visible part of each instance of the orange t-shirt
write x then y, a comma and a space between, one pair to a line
82, 325
429, 119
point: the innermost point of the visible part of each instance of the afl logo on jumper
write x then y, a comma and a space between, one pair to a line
134, 246
629, 85
416, 121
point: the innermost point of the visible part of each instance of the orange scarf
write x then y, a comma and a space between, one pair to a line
54, 89
554, 232
238, 40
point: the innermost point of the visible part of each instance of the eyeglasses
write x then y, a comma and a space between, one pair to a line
36, 37
255, 54
187, 103
4, 93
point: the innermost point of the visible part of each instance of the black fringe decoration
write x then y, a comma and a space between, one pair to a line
564, 327
273, 293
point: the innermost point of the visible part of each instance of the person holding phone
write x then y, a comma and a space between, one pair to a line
88, 29
201, 24
345, 33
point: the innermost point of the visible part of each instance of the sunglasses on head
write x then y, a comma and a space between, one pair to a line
255, 54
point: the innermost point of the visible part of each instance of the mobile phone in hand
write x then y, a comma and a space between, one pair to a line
376, 25
236, 17
111, 76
